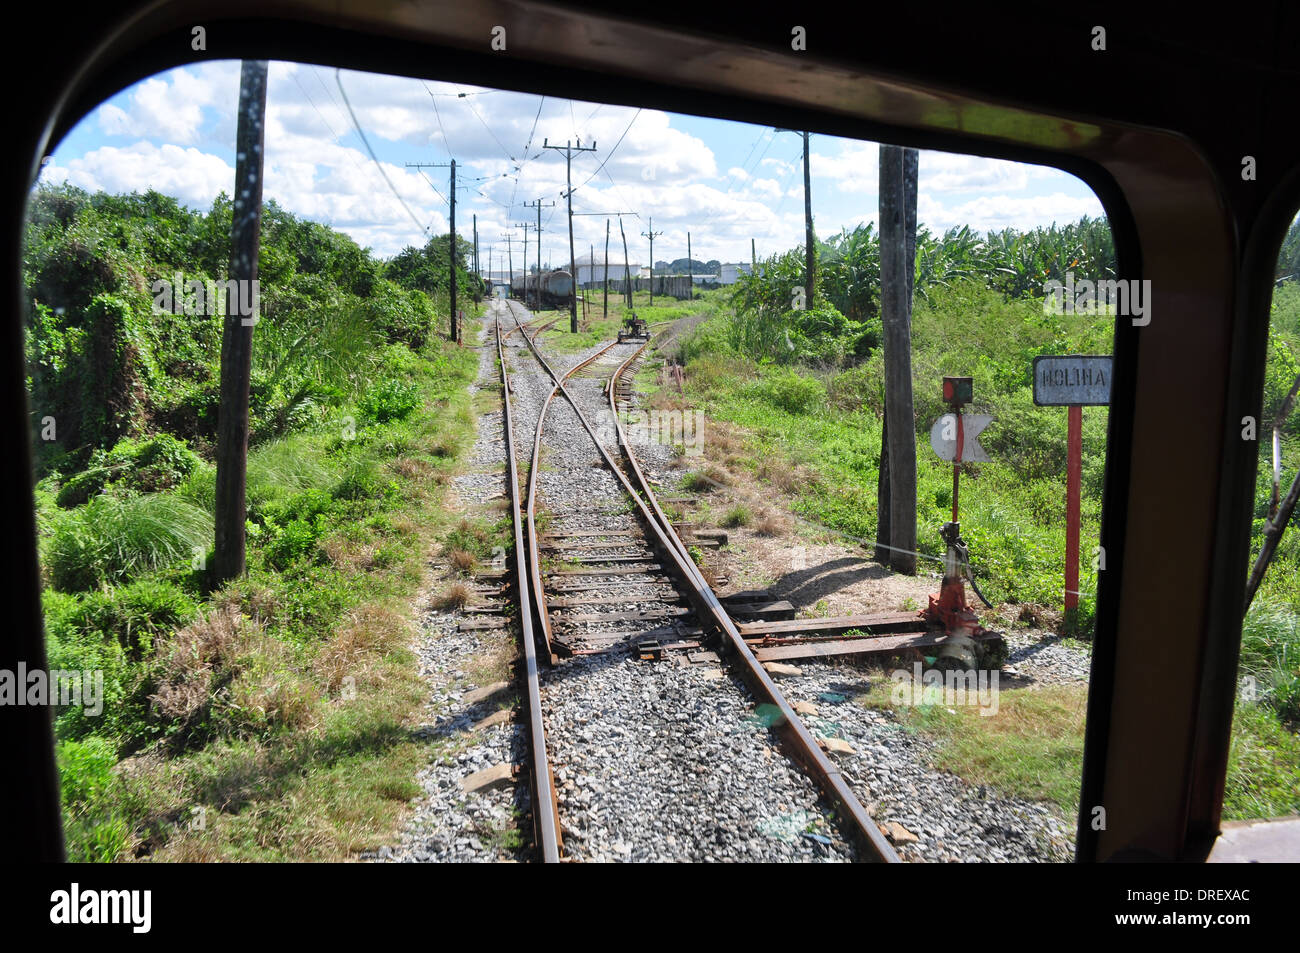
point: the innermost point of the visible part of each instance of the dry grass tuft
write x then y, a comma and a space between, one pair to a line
365, 637
446, 446
349, 554
194, 657
718, 475
665, 400
780, 474
455, 596
462, 560
411, 468
771, 524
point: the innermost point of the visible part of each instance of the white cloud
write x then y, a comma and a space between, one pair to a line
183, 126
996, 212
191, 176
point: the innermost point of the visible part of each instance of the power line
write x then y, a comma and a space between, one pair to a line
615, 149
438, 116
489, 129
527, 145
338, 77
333, 135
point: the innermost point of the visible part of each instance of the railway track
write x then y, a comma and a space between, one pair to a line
644, 759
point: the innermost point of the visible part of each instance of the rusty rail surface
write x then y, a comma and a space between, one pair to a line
800, 742
546, 816
534, 542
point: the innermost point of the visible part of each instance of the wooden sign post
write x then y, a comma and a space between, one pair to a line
1073, 381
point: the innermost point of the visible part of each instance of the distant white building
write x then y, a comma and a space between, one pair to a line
590, 272
731, 272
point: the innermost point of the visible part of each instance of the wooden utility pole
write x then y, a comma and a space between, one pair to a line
690, 269
883, 505
568, 149
897, 259
537, 204
627, 268
451, 256
451, 243
591, 259
237, 332
652, 234
810, 239
605, 316
753, 257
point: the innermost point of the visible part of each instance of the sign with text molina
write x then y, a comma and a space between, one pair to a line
1072, 380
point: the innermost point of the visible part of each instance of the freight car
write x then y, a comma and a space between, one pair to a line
556, 287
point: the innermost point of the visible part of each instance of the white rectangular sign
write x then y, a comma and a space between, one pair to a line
1072, 380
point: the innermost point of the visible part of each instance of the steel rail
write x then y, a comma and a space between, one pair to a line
534, 543
795, 733
546, 816
801, 742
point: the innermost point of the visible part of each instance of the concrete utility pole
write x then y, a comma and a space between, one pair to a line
606, 271
652, 235
237, 332
568, 149
451, 242
537, 204
510, 255
898, 171
525, 226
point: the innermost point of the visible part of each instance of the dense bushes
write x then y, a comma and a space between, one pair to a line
389, 399
108, 361
791, 392
112, 539
147, 465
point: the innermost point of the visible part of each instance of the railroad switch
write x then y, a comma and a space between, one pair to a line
969, 644
948, 609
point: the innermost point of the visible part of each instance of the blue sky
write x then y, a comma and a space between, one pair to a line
724, 182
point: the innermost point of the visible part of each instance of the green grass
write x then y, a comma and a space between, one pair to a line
738, 515
1033, 748
112, 539
1270, 655
277, 758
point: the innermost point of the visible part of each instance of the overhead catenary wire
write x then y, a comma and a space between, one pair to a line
611, 152
489, 129
437, 115
338, 77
